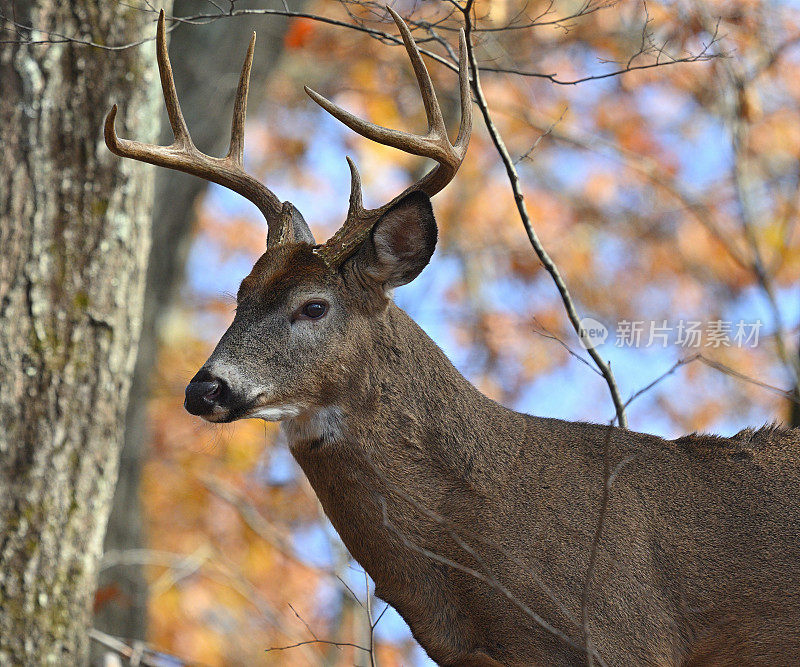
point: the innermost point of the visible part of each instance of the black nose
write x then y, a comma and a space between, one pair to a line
203, 393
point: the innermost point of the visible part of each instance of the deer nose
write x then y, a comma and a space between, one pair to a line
203, 393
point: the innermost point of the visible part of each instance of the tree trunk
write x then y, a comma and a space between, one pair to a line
206, 62
74, 233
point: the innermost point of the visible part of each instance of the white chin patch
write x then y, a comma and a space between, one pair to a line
275, 413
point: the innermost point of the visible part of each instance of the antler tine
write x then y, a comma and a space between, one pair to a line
465, 128
183, 155
406, 142
236, 150
356, 207
176, 121
433, 111
434, 144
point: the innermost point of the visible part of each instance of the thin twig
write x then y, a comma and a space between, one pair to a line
256, 521
737, 82
146, 655
788, 394
544, 332
303, 621
527, 154
327, 642
678, 364
487, 578
660, 178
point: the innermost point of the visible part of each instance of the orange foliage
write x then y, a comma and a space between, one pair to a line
299, 33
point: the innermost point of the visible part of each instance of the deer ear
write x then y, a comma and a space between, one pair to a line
299, 231
401, 243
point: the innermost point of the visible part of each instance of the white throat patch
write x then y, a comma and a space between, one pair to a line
325, 426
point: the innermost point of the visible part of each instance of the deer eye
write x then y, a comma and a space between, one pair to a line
313, 310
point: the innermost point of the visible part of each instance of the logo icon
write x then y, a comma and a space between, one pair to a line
592, 333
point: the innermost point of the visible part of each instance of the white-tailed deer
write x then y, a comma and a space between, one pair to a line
476, 522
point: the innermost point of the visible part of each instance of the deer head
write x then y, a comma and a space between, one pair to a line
306, 311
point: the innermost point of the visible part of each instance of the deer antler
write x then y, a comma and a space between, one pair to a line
184, 156
434, 144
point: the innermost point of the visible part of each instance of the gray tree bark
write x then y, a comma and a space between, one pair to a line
206, 61
74, 233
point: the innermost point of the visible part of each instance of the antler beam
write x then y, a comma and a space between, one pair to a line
184, 156
435, 144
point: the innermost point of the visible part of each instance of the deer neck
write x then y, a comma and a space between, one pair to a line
404, 397
413, 436
412, 442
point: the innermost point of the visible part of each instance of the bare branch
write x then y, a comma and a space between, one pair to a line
727, 370
51, 37
741, 176
533, 237
527, 154
303, 621
251, 516
546, 333
788, 394
316, 641
137, 653
678, 364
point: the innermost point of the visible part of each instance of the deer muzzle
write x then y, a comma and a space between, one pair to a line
205, 394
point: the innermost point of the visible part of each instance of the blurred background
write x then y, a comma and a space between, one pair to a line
657, 147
